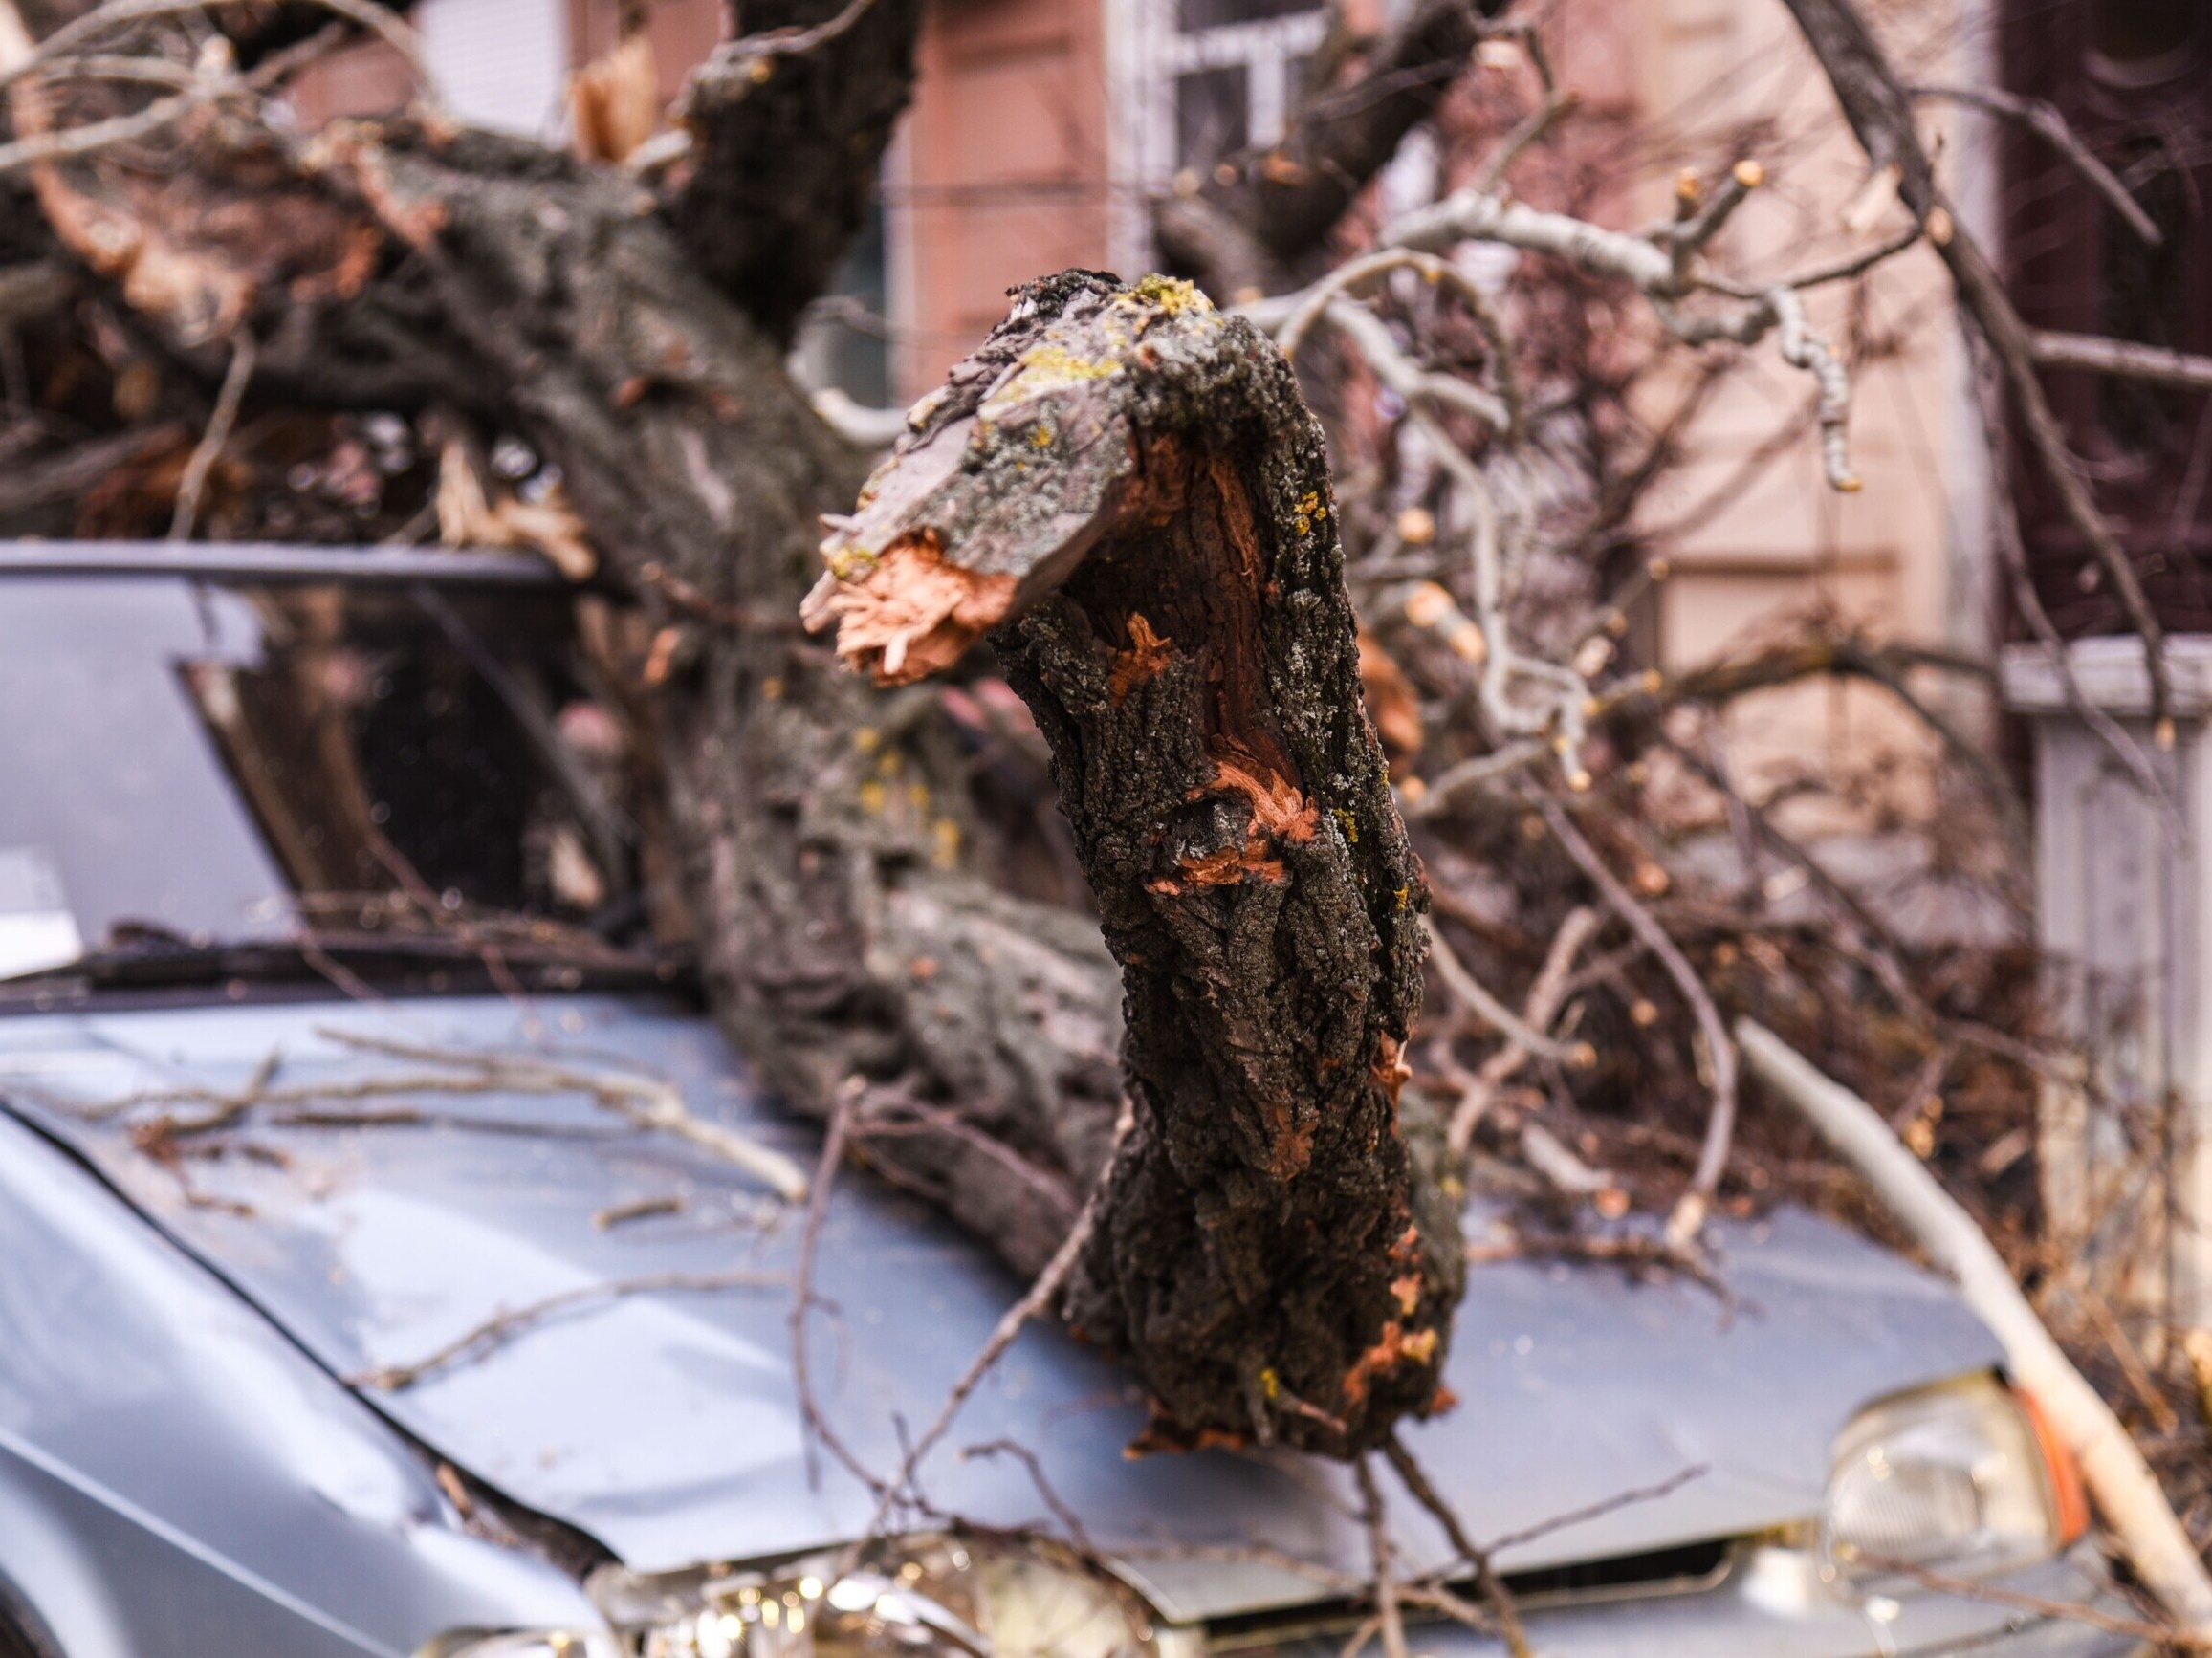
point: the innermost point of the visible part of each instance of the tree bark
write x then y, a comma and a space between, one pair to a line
1125, 487
770, 198
832, 856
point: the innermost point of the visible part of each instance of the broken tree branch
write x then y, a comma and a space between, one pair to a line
787, 125
1124, 488
2119, 1480
1881, 113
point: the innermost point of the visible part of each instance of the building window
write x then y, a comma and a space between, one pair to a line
1217, 76
844, 337
2141, 36
2130, 78
501, 63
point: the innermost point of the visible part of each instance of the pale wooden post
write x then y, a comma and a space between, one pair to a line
2123, 896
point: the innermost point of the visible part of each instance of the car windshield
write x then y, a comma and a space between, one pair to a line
192, 763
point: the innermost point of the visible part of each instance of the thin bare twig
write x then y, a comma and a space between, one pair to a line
814, 1424
1470, 993
1496, 1597
1544, 996
209, 447
2042, 118
39, 148
1389, 1622
1879, 110
2012, 554
387, 24
1697, 224
1036, 1300
1630, 1251
1527, 131
1365, 1631
2122, 1348
1071, 1521
1697, 1200
1614, 1504
1472, 774
884, 1121
505, 1327
1851, 265
616, 1214
647, 1102
2163, 1636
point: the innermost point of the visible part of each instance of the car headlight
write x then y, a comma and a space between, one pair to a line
1959, 1479
936, 1597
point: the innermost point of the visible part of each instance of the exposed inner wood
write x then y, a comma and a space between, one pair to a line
912, 615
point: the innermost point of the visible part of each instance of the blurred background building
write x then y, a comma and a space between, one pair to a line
1041, 129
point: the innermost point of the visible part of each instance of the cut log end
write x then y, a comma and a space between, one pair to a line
1124, 489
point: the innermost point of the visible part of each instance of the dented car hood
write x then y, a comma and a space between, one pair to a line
657, 1413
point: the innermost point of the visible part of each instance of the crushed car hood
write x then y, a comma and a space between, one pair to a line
661, 1416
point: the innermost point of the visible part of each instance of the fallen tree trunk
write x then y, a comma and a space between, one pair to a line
832, 855
843, 888
1278, 1271
1124, 486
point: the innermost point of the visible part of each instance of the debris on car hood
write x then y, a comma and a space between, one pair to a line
592, 1316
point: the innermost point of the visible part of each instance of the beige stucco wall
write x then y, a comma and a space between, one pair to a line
1765, 550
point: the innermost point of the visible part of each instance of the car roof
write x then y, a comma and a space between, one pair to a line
275, 561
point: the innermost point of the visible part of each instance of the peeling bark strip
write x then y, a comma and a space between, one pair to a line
1124, 486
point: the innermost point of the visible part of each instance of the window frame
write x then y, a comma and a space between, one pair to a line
1266, 48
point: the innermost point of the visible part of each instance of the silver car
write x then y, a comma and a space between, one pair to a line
347, 1306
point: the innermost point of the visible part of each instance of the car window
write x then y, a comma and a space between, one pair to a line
226, 760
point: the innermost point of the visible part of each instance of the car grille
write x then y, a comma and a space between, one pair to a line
1320, 1631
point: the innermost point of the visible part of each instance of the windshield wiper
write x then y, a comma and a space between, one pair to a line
166, 960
